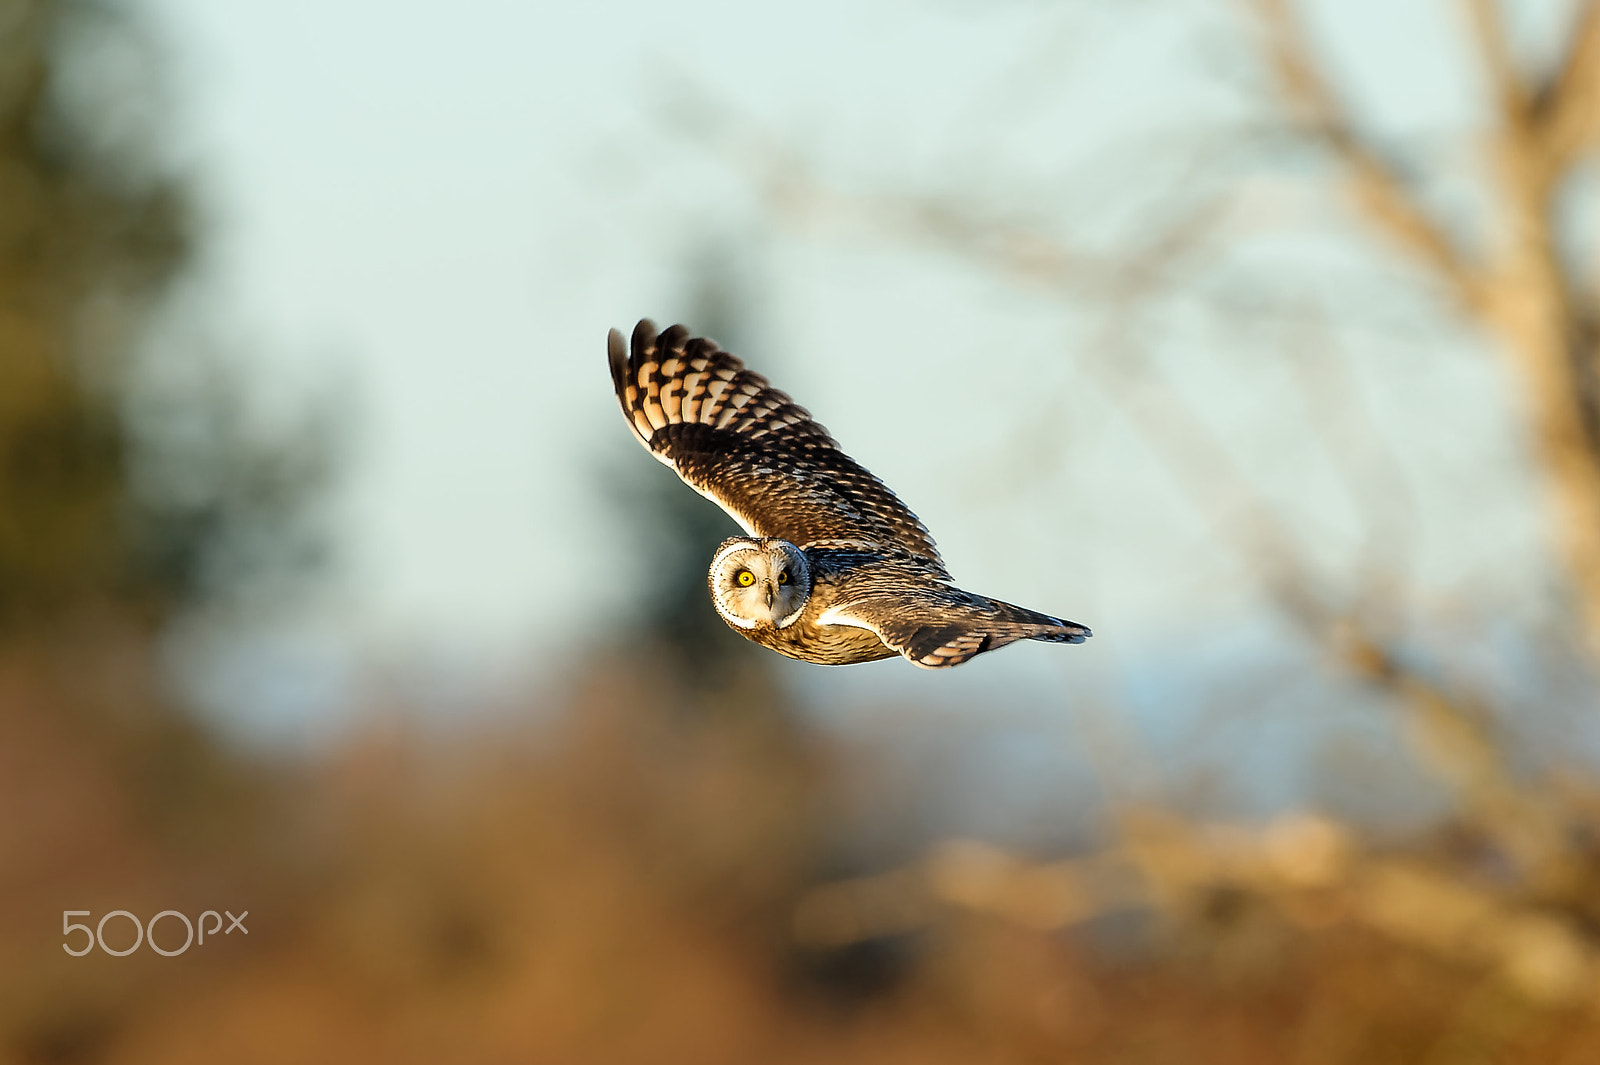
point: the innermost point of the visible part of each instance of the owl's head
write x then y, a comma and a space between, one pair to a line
759, 583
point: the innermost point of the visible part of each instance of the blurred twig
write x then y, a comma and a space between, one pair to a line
1011, 243
1452, 728
1379, 188
1565, 110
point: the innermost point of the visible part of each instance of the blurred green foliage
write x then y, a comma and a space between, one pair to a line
97, 506
72, 234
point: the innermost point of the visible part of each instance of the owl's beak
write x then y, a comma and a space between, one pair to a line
769, 596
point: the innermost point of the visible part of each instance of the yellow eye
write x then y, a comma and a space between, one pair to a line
745, 578
783, 578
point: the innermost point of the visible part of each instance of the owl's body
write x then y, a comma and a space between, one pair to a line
836, 569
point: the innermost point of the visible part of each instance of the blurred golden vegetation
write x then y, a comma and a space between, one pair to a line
649, 873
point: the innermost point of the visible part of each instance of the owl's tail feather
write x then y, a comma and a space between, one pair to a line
942, 646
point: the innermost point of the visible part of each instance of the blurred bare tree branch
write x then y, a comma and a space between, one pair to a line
1503, 275
1519, 290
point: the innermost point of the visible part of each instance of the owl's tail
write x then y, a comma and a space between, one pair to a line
938, 647
956, 631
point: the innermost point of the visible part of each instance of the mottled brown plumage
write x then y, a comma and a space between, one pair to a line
836, 569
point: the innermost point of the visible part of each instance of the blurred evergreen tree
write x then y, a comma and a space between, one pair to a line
98, 507
137, 483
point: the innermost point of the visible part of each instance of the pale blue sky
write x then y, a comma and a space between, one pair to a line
444, 214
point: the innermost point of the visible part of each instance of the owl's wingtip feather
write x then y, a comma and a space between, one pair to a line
616, 352
644, 335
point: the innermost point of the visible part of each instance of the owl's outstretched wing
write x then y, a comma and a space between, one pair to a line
939, 626
750, 449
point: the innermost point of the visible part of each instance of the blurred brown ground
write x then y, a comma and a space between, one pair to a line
619, 886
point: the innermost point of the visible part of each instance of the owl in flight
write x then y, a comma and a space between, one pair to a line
835, 569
